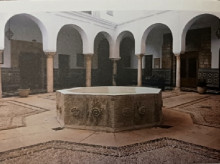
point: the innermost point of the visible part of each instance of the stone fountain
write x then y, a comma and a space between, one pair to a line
109, 109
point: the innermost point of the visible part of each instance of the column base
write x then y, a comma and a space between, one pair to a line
177, 89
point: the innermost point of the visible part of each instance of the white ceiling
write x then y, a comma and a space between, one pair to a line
85, 5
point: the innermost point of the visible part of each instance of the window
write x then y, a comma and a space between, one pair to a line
109, 12
88, 12
156, 62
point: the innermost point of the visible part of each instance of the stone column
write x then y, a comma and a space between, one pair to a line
177, 72
88, 69
139, 77
1, 53
114, 71
50, 56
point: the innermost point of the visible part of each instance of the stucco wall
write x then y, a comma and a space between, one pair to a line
89, 27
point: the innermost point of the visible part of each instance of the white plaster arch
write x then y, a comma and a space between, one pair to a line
118, 40
41, 26
188, 24
110, 41
84, 37
146, 33
107, 36
139, 26
37, 21
3, 21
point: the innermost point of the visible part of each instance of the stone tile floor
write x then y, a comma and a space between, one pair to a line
27, 134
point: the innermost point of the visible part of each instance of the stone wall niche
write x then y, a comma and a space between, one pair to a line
109, 109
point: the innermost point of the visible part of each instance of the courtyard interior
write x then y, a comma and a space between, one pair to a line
30, 133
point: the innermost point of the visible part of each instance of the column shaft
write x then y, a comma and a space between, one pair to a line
50, 56
0, 81
114, 72
88, 69
139, 78
1, 53
178, 72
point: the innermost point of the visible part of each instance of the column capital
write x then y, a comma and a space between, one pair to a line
50, 54
114, 59
89, 54
177, 55
139, 55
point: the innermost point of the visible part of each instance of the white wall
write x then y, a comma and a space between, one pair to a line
121, 16
175, 20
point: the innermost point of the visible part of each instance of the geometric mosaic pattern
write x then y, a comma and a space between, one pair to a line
205, 111
13, 113
163, 150
211, 75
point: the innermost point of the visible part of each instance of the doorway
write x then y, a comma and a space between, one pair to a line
30, 71
189, 69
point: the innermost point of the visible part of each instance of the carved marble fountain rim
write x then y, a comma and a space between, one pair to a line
111, 90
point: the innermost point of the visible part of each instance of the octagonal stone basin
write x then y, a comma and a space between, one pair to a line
109, 109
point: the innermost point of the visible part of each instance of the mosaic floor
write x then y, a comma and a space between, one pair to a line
27, 134
13, 113
163, 150
204, 112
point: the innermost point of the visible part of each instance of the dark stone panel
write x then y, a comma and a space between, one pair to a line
101, 77
165, 74
198, 39
211, 75
56, 78
10, 79
74, 78
77, 77
28, 68
126, 77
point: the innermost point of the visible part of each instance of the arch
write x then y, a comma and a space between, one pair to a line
200, 48
110, 41
188, 25
106, 35
103, 72
26, 55
69, 58
146, 33
121, 36
41, 26
82, 34
125, 46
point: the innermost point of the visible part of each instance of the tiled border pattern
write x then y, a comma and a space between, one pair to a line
122, 151
34, 110
211, 75
195, 115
